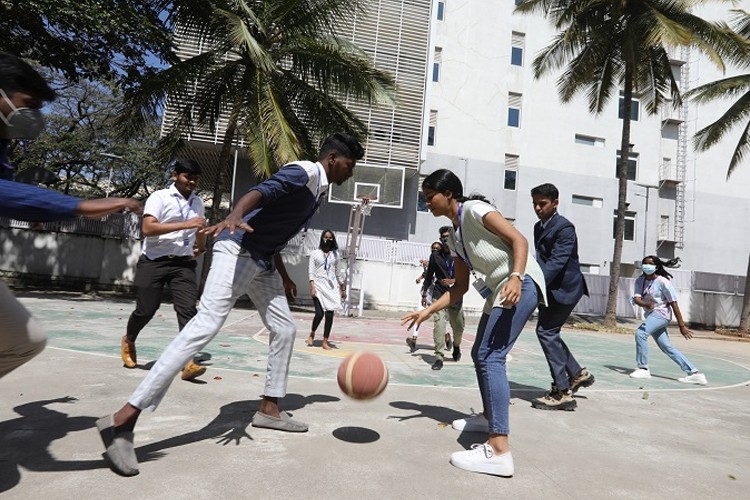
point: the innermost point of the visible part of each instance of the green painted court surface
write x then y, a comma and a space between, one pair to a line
96, 325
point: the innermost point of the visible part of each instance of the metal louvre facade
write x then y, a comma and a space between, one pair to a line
394, 34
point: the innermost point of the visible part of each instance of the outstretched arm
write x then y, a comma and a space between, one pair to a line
100, 207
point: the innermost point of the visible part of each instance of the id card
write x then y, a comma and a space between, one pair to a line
480, 287
186, 242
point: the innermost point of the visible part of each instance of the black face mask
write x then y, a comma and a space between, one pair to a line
327, 244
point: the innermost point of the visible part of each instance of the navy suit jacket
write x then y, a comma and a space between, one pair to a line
557, 253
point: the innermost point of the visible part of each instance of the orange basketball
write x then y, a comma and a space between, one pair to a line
363, 375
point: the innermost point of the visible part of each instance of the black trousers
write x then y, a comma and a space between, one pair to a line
319, 314
562, 364
150, 278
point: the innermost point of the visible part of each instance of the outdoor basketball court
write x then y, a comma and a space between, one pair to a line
653, 438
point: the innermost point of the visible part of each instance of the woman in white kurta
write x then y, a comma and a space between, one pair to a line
327, 285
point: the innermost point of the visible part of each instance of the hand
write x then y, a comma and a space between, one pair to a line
419, 279
686, 332
424, 301
195, 223
424, 262
290, 289
343, 294
415, 318
511, 293
197, 252
447, 282
313, 292
132, 205
232, 222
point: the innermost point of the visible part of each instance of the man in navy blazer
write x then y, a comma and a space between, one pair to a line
556, 247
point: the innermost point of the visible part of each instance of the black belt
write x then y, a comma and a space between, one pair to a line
171, 258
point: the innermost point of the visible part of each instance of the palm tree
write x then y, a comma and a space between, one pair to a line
608, 45
732, 87
273, 71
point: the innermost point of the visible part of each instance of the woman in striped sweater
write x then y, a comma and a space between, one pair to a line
483, 241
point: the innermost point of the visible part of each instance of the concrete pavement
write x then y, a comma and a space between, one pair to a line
627, 439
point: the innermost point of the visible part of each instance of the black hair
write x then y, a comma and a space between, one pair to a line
438, 243
660, 265
343, 144
445, 181
444, 229
16, 75
547, 190
184, 166
335, 245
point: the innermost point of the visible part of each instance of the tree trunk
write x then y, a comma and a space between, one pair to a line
745, 316
610, 315
225, 169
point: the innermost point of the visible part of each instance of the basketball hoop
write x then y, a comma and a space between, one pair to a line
365, 205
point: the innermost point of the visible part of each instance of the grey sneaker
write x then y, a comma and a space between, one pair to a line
583, 379
555, 400
282, 423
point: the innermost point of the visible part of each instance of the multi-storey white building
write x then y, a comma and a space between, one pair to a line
468, 101
503, 132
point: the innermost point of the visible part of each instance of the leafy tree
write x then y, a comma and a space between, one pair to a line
89, 39
734, 87
608, 45
273, 71
79, 145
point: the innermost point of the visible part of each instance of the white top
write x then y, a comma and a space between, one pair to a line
659, 292
326, 271
168, 205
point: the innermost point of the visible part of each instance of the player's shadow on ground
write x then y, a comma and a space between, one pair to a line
25, 441
230, 425
627, 371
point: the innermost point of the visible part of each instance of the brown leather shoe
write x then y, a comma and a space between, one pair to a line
127, 351
192, 371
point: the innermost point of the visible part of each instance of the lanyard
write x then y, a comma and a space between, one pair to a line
647, 286
188, 205
326, 265
317, 200
464, 257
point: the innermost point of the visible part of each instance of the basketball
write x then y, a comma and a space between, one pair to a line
363, 375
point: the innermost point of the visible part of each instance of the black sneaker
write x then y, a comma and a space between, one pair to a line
438, 364
448, 342
456, 354
583, 379
412, 344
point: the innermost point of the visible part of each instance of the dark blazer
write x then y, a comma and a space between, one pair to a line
557, 254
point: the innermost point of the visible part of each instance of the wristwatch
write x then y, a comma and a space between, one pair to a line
521, 276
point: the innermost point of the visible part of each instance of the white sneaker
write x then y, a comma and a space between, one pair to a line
475, 423
640, 373
482, 458
694, 378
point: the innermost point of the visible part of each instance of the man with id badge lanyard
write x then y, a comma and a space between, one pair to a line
483, 241
246, 260
171, 219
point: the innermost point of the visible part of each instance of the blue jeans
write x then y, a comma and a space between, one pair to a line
656, 326
496, 334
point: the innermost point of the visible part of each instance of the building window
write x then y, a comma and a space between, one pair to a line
590, 268
441, 11
516, 48
421, 202
664, 233
432, 128
514, 110
629, 226
436, 64
632, 173
511, 172
588, 140
634, 109
518, 2
587, 201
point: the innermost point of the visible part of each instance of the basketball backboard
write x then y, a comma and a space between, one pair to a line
382, 186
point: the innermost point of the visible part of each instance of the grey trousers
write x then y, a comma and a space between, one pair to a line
233, 273
21, 337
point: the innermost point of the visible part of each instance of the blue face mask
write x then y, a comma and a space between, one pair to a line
648, 268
